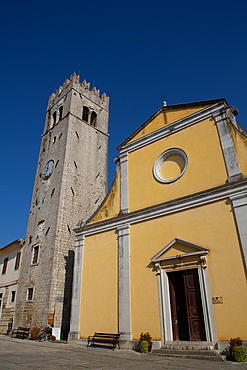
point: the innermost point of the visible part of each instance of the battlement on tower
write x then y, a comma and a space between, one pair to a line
82, 87
76, 99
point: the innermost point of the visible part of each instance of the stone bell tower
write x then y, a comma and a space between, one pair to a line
70, 183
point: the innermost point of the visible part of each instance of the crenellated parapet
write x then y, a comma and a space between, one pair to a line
83, 87
77, 99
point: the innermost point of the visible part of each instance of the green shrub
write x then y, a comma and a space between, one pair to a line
144, 346
239, 354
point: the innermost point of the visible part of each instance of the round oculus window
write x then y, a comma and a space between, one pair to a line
170, 165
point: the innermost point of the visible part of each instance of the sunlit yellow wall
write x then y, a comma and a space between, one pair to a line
165, 118
211, 226
240, 144
99, 285
111, 207
206, 167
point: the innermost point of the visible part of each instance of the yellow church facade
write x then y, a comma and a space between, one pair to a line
166, 252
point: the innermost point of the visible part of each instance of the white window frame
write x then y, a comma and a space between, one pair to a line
11, 296
2, 291
33, 254
27, 294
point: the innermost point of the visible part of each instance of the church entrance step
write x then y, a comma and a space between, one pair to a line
193, 345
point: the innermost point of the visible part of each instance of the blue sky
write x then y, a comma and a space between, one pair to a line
134, 51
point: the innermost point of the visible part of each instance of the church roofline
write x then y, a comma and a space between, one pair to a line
167, 108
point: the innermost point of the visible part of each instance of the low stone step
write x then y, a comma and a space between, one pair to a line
192, 348
188, 352
193, 356
189, 345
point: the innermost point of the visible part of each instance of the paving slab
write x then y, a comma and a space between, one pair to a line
26, 354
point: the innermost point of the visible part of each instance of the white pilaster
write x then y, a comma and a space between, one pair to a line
227, 146
124, 203
239, 203
166, 306
164, 302
162, 327
124, 303
207, 306
76, 291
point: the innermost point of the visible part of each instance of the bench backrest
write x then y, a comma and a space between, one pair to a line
107, 335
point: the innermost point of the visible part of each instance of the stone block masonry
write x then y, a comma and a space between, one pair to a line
70, 183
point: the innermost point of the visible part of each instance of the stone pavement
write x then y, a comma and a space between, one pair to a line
26, 354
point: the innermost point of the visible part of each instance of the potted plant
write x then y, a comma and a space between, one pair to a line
52, 338
145, 342
237, 350
34, 331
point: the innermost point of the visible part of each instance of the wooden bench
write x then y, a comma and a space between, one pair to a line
21, 333
104, 338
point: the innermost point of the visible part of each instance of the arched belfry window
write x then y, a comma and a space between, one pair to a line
54, 118
93, 119
60, 113
85, 114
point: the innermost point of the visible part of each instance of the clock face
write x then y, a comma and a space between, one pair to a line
48, 169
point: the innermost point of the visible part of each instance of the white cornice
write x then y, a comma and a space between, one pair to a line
177, 205
5, 285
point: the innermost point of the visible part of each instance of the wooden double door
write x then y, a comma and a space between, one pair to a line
186, 306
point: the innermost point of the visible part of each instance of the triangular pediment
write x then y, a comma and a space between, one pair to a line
178, 247
166, 115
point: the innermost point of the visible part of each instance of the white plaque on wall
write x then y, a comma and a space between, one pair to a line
56, 333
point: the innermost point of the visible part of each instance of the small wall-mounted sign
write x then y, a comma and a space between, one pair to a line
56, 333
218, 300
51, 318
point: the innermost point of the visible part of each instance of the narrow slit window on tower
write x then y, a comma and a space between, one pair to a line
54, 139
60, 113
93, 119
77, 134
75, 164
60, 136
69, 229
54, 118
52, 192
85, 114
56, 163
47, 231
72, 191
